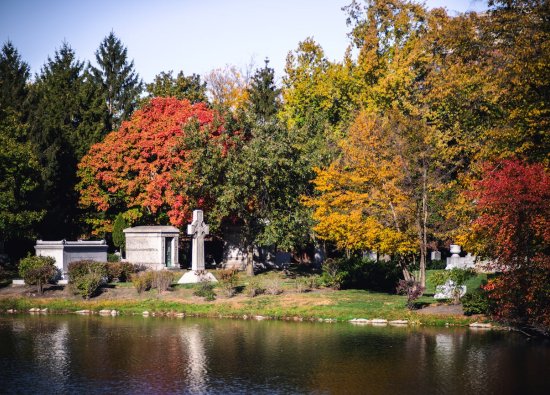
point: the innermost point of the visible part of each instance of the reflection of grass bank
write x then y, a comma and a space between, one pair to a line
319, 304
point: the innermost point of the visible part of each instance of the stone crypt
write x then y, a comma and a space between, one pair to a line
153, 246
65, 252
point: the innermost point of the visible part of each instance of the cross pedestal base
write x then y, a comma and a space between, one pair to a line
193, 277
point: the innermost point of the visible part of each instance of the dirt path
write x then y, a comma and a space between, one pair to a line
442, 310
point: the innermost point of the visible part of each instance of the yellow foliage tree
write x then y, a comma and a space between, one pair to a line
375, 195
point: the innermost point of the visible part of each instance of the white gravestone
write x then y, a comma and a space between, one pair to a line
435, 256
198, 230
449, 290
456, 261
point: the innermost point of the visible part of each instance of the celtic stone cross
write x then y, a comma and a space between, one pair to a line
198, 229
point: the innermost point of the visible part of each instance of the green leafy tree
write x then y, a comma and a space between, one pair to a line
120, 84
37, 270
180, 87
315, 88
254, 176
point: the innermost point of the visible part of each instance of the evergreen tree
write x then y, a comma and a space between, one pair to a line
119, 239
14, 75
19, 169
56, 130
120, 84
19, 182
263, 94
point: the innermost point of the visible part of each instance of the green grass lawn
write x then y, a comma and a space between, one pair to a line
342, 305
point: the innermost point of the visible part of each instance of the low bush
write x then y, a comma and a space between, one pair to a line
121, 271
228, 281
37, 270
274, 286
475, 302
86, 277
333, 273
142, 281
314, 281
302, 284
81, 268
162, 280
254, 287
412, 289
436, 264
113, 258
205, 289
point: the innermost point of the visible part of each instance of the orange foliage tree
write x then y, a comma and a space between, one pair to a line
132, 169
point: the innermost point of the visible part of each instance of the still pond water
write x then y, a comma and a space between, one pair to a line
132, 355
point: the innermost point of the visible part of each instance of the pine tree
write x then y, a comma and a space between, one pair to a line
56, 130
14, 75
264, 95
120, 84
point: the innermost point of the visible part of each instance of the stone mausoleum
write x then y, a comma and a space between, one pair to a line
153, 246
65, 252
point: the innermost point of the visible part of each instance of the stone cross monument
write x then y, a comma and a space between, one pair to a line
197, 230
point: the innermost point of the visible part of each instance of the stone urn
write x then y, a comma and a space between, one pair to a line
455, 250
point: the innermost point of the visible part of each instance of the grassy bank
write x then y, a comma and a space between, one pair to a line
322, 303
337, 305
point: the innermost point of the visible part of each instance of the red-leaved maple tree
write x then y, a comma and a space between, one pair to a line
513, 199
132, 168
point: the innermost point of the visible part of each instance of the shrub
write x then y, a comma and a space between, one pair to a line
254, 287
88, 284
87, 276
228, 281
475, 302
205, 289
333, 275
37, 270
274, 286
302, 284
121, 271
412, 289
81, 268
114, 271
436, 264
142, 281
113, 258
314, 281
161, 280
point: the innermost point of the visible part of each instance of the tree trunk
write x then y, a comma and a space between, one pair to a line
250, 261
422, 225
407, 276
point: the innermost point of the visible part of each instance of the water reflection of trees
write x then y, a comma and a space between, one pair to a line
168, 355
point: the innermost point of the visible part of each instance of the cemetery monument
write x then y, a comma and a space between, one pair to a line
155, 247
198, 230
